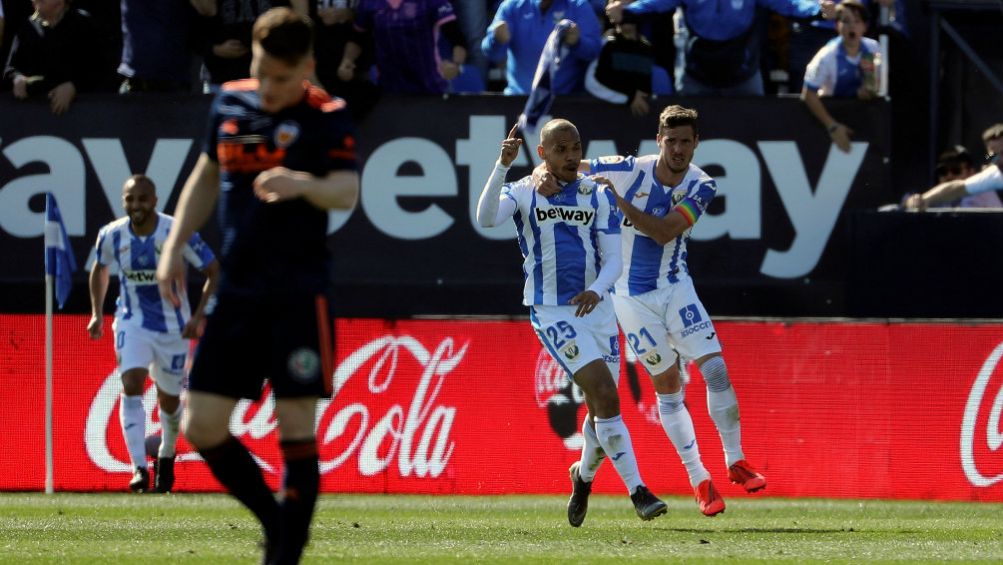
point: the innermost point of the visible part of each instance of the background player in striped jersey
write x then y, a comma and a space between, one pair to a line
656, 303
570, 243
150, 333
282, 153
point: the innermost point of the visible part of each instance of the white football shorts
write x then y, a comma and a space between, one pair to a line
664, 321
164, 354
575, 342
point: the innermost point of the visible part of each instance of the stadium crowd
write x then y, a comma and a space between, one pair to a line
622, 51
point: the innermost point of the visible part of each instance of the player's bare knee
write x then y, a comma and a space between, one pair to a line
168, 403
715, 373
133, 381
668, 381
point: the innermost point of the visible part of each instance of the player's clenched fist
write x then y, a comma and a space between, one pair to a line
510, 147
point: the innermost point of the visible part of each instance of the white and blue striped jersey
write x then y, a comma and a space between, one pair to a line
139, 302
646, 264
832, 72
559, 237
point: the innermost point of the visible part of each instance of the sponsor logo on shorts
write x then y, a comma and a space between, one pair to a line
653, 359
693, 322
147, 276
304, 365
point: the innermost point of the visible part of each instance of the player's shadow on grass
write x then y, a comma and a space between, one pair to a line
761, 530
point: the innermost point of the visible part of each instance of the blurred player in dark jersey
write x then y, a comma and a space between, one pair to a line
279, 153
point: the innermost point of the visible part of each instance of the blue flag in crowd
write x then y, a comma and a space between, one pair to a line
58, 254
542, 95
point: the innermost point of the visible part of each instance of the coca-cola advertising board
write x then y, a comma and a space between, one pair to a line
831, 409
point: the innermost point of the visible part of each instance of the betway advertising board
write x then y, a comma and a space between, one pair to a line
777, 223
830, 409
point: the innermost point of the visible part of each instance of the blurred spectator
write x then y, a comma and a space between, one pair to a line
622, 73
988, 180
520, 30
723, 50
405, 33
333, 27
156, 44
57, 54
846, 67
805, 39
958, 164
226, 37
472, 16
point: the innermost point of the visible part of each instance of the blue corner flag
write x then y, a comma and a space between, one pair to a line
58, 254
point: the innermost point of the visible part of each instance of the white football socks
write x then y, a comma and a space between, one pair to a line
169, 426
592, 452
133, 419
615, 441
678, 425
723, 408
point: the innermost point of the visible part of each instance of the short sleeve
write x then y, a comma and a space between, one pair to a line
337, 138
990, 178
442, 11
817, 74
197, 253
211, 139
695, 203
103, 252
607, 213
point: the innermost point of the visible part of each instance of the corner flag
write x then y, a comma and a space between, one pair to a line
59, 263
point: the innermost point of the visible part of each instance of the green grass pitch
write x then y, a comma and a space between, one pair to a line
184, 528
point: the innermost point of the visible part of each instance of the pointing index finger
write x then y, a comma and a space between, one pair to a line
512, 132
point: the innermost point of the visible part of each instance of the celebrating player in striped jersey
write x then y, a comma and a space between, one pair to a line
570, 243
656, 303
150, 333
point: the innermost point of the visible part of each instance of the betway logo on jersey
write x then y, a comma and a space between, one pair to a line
147, 276
567, 214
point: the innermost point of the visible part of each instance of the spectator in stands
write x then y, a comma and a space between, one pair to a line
333, 26
156, 54
226, 37
805, 40
958, 164
404, 34
847, 67
989, 179
472, 16
56, 55
622, 73
1, 24
520, 30
722, 54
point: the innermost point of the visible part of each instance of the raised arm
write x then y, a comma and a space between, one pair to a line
491, 210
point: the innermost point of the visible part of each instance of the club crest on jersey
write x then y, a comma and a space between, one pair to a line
566, 214
571, 351
611, 160
585, 189
677, 196
286, 133
304, 365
